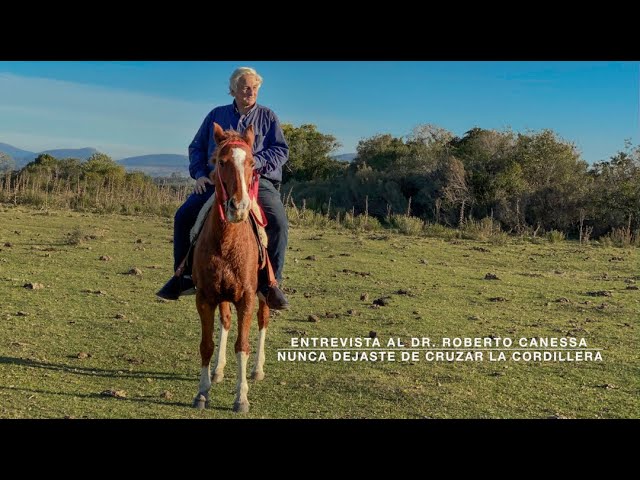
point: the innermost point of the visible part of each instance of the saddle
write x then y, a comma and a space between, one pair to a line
258, 221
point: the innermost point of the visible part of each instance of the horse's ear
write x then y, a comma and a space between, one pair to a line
249, 135
218, 133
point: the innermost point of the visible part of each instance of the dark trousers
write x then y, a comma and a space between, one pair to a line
277, 227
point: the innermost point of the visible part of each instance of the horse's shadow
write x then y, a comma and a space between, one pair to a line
93, 371
97, 372
93, 396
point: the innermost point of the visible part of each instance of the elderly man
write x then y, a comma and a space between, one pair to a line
270, 151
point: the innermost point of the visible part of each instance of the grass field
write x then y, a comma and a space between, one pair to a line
94, 327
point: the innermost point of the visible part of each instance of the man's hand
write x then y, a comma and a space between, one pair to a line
201, 184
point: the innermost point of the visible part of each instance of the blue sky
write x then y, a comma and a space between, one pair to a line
136, 108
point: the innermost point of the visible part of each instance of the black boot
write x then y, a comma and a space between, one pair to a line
181, 284
176, 286
274, 297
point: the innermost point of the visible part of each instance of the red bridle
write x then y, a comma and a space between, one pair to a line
253, 188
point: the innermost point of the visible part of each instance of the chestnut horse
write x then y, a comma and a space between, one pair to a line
225, 266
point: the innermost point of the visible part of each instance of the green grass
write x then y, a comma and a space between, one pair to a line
154, 348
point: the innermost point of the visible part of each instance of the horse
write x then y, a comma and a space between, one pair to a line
225, 266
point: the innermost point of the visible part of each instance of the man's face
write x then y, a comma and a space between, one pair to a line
246, 91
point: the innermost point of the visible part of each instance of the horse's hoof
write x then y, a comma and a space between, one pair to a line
217, 377
200, 402
241, 407
257, 376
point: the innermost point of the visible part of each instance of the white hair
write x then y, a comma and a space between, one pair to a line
239, 72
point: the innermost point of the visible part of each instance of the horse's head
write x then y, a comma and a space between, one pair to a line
234, 170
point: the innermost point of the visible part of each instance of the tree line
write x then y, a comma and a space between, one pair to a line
528, 182
524, 182
97, 184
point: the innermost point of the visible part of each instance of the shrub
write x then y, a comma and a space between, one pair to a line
406, 224
555, 236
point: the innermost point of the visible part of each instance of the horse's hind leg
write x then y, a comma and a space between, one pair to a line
245, 312
263, 322
221, 354
207, 313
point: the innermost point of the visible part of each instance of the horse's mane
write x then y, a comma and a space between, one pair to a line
229, 135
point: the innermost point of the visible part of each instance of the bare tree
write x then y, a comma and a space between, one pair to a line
7, 163
456, 191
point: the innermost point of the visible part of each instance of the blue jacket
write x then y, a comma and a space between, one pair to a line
270, 149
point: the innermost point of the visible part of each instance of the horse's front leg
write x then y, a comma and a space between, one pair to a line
263, 323
245, 310
207, 313
221, 354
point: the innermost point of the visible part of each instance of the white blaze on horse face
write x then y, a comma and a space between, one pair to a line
239, 156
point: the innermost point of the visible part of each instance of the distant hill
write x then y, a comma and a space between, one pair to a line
79, 153
345, 157
14, 152
159, 159
157, 165
22, 157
